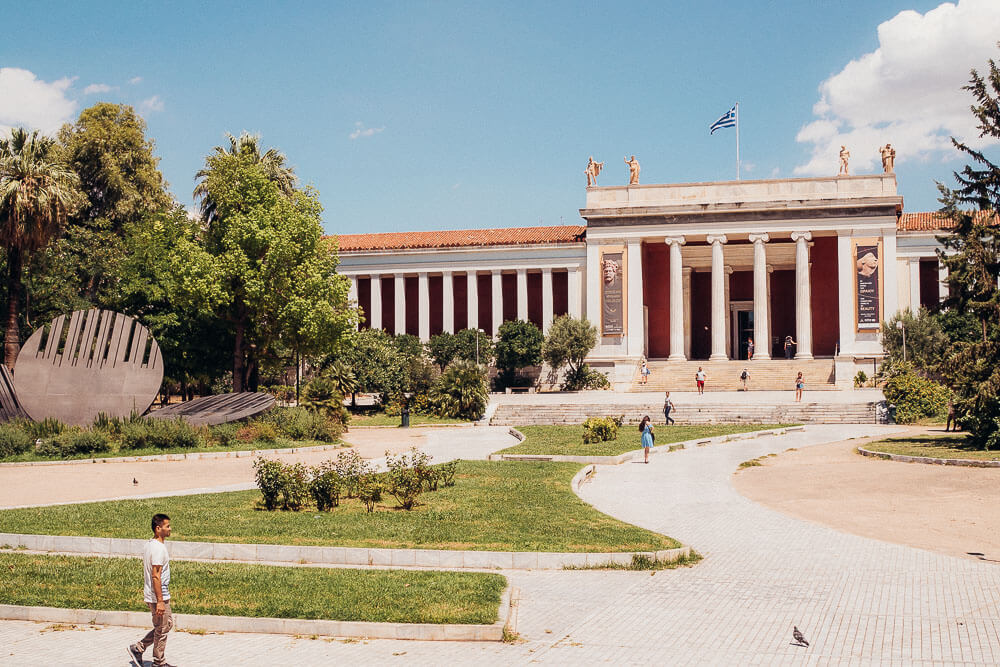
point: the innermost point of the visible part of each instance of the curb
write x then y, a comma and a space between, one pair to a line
192, 456
357, 556
968, 463
361, 427
635, 453
282, 626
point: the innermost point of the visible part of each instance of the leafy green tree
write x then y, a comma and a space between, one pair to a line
442, 348
926, 342
37, 194
519, 344
409, 345
373, 357
972, 257
569, 342
475, 346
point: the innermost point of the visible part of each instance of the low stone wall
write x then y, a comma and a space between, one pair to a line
969, 463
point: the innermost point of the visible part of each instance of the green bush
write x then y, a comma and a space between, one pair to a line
159, 434
14, 440
585, 377
225, 435
600, 429
446, 472
460, 392
258, 431
72, 443
404, 481
325, 485
915, 397
519, 344
47, 428
860, 379
370, 487
304, 424
350, 467
322, 396
294, 486
269, 478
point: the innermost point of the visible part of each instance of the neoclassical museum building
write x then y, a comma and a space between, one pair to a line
678, 274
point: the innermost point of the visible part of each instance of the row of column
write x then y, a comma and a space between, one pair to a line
472, 305
720, 298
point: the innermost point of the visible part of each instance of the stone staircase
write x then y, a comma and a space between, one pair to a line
772, 374
700, 412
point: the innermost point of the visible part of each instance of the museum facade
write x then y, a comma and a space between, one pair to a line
673, 272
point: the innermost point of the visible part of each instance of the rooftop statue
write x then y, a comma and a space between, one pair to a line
888, 158
633, 170
592, 170
845, 155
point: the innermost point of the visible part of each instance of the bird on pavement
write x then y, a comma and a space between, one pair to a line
799, 639
135, 482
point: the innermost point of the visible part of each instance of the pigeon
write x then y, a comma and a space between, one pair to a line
135, 482
799, 639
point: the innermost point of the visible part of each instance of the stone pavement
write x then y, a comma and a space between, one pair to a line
859, 601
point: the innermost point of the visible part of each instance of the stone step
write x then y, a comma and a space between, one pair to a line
770, 374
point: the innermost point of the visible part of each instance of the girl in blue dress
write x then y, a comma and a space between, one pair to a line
646, 428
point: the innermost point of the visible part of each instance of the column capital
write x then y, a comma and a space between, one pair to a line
678, 240
729, 270
496, 272
799, 236
546, 269
633, 241
686, 270
716, 238
446, 272
759, 238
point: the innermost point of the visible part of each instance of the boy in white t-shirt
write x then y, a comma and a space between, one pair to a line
156, 593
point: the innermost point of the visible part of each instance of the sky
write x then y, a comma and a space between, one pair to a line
414, 115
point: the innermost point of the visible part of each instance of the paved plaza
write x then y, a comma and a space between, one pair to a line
858, 600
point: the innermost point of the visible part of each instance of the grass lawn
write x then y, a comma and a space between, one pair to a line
382, 419
933, 446
280, 443
568, 440
238, 589
494, 506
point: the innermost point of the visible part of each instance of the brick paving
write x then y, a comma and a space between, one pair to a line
858, 601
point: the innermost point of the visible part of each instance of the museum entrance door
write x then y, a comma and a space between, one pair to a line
742, 323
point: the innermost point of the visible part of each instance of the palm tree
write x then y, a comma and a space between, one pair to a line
272, 163
37, 193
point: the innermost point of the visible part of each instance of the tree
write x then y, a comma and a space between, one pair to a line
37, 194
376, 362
569, 342
442, 348
409, 345
519, 344
973, 267
926, 342
474, 345
460, 392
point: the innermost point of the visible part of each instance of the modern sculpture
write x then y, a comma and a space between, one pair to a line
95, 361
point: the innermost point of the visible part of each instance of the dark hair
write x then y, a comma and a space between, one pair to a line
158, 520
642, 424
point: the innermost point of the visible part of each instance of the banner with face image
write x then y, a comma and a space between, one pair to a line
612, 294
868, 284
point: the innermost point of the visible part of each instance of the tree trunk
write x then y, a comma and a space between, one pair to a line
238, 358
12, 336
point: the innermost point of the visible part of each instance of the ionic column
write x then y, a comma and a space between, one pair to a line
593, 311
522, 295
497, 294
729, 313
914, 266
375, 317
352, 289
423, 307
762, 343
574, 292
547, 308
943, 289
400, 302
845, 274
687, 310
447, 302
676, 300
720, 302
636, 328
803, 297
472, 298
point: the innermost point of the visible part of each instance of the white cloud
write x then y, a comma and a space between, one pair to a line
151, 104
134, 80
908, 92
361, 131
26, 100
97, 88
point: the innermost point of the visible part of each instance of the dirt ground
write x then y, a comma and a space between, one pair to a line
946, 509
28, 485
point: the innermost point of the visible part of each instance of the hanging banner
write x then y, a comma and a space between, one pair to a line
868, 284
612, 294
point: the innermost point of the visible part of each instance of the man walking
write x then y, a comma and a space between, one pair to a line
699, 379
668, 405
156, 593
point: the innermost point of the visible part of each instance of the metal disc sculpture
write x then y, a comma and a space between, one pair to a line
218, 409
91, 362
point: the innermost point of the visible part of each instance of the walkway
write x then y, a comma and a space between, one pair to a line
859, 601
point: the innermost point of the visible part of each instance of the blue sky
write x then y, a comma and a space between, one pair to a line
415, 116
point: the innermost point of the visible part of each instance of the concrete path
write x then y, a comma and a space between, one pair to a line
859, 601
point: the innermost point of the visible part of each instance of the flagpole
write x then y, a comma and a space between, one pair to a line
737, 141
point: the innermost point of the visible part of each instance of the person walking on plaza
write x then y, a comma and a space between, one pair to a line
699, 379
644, 373
788, 347
745, 377
952, 421
646, 428
750, 348
156, 593
800, 384
668, 405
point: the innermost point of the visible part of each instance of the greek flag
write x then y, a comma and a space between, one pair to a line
728, 120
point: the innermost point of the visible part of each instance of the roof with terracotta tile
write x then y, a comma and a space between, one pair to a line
930, 221
462, 238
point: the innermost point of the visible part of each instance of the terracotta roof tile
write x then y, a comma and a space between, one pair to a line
929, 221
462, 238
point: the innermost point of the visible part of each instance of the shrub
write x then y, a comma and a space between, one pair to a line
350, 467
72, 443
269, 478
14, 440
585, 377
258, 431
600, 429
159, 434
860, 379
225, 435
370, 487
113, 426
294, 486
403, 479
47, 428
569, 342
304, 424
519, 344
915, 396
325, 486
461, 391
446, 471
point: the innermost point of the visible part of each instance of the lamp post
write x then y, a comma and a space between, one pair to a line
478, 331
902, 327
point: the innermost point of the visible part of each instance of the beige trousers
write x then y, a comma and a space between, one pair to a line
157, 637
